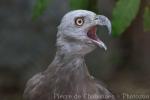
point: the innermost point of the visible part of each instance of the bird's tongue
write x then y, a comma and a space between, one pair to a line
92, 33
93, 36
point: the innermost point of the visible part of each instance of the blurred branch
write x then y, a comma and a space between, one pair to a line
93, 5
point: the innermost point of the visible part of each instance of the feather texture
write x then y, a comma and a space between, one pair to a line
67, 77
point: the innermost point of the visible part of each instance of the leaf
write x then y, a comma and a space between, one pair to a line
39, 8
79, 4
123, 14
147, 19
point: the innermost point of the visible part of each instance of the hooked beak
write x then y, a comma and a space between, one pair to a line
103, 21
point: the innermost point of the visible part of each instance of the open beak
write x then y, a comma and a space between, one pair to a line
99, 20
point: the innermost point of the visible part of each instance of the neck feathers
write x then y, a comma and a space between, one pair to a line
67, 66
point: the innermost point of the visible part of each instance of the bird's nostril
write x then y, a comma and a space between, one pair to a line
96, 18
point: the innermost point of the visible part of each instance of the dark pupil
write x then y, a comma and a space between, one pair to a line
79, 21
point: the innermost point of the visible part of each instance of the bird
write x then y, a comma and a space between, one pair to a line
67, 76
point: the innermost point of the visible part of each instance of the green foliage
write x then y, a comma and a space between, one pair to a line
123, 14
79, 4
39, 8
147, 19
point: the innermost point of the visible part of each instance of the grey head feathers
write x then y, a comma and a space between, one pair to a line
81, 39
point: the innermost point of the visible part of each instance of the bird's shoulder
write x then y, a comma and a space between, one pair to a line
32, 85
104, 91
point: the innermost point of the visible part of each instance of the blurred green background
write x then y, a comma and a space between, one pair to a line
28, 34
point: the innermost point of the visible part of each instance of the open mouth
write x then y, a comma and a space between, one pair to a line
93, 36
92, 33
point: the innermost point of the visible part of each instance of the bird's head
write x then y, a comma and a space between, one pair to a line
77, 31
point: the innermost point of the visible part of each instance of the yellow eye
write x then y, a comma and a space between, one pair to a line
79, 21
